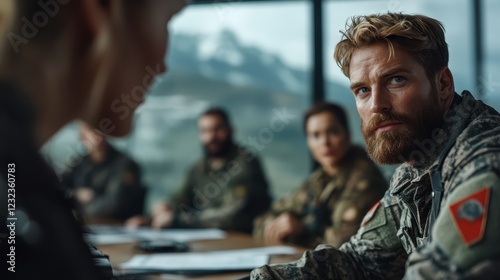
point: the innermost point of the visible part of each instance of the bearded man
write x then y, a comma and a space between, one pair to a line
225, 189
439, 218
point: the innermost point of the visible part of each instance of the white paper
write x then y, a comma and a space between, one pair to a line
268, 250
216, 260
195, 261
102, 235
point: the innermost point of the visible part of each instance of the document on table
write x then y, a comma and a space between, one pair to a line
102, 235
206, 262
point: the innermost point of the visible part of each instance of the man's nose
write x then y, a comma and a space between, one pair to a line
381, 100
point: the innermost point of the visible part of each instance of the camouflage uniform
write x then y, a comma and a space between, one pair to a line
398, 230
330, 209
229, 197
116, 183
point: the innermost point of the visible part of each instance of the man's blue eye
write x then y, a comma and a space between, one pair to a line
398, 79
362, 90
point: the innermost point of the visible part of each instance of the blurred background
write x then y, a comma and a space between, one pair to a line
260, 59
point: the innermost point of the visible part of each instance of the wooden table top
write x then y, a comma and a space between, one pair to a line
119, 253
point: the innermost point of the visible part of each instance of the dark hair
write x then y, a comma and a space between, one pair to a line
417, 34
218, 111
329, 107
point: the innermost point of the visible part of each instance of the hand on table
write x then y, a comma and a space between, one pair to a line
137, 221
84, 195
283, 227
163, 216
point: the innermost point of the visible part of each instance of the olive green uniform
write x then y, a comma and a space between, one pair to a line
116, 182
395, 237
330, 208
228, 197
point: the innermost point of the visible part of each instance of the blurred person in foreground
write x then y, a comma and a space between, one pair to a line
61, 61
439, 218
106, 183
225, 189
330, 204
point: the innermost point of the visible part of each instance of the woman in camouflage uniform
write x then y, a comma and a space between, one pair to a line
330, 204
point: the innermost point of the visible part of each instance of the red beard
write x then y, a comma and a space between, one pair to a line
395, 146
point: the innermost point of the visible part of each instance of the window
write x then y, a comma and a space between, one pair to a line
254, 58
490, 82
240, 56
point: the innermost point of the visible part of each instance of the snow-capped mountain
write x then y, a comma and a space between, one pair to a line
225, 58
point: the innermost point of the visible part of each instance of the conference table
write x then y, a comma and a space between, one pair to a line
119, 253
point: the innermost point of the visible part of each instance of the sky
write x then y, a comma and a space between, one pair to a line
259, 24
256, 24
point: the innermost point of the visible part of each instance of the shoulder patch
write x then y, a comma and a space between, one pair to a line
469, 215
240, 191
128, 178
370, 213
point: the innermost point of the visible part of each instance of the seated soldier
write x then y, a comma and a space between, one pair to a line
330, 204
439, 218
226, 189
105, 183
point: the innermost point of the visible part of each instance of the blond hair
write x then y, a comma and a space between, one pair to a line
6, 13
419, 35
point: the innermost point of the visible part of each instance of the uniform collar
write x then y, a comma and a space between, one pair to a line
231, 155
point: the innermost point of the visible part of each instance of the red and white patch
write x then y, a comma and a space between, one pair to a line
370, 213
469, 215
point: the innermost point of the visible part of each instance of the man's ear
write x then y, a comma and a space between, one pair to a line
445, 86
95, 14
95, 19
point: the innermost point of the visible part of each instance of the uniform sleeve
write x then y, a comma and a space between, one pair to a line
465, 234
368, 187
375, 252
245, 196
292, 203
124, 195
184, 194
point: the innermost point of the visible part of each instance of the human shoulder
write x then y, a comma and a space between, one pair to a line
315, 176
476, 148
364, 173
361, 160
245, 155
467, 229
198, 166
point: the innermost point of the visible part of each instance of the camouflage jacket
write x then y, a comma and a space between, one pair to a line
228, 198
116, 183
331, 208
394, 242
